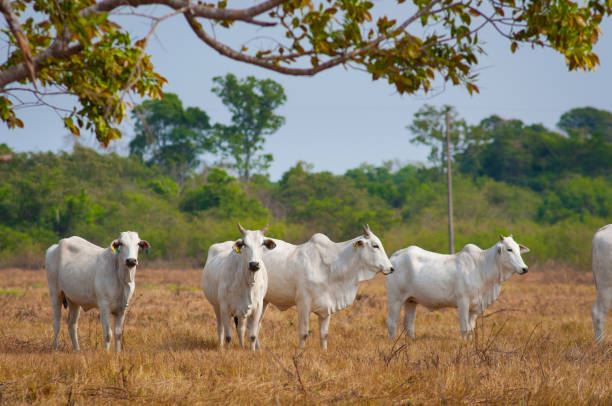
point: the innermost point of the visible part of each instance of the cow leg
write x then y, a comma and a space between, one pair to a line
473, 317
119, 320
219, 325
600, 310
106, 326
395, 309
56, 304
409, 317
241, 329
303, 315
323, 328
73, 318
226, 319
253, 325
463, 306
263, 312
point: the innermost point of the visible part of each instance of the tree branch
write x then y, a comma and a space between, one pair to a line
145, 41
59, 49
20, 72
197, 10
264, 63
22, 40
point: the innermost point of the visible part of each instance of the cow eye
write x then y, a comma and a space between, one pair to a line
375, 245
509, 249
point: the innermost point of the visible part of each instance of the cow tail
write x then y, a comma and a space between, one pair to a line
236, 321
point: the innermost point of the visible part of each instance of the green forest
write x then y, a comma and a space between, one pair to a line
551, 189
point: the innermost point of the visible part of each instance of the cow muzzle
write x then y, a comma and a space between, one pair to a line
254, 266
131, 262
524, 270
388, 271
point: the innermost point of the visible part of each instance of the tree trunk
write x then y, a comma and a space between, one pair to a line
451, 235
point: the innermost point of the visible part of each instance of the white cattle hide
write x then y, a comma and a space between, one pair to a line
234, 281
322, 276
83, 275
601, 252
469, 280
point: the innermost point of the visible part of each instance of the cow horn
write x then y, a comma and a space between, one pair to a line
265, 229
366, 230
241, 229
501, 237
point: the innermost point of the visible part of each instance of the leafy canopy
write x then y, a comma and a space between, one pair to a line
252, 103
75, 46
169, 136
587, 123
429, 128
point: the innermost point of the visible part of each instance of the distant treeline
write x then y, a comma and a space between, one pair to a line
551, 190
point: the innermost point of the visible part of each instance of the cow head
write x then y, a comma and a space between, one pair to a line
127, 245
509, 253
251, 247
372, 252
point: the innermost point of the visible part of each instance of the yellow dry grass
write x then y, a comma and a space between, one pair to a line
535, 347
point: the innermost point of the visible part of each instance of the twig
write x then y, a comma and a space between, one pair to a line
544, 377
295, 359
145, 41
529, 339
501, 311
125, 320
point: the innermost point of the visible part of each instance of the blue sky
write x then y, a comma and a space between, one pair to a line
341, 118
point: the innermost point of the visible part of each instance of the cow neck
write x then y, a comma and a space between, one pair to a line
344, 260
244, 277
344, 275
492, 275
489, 268
124, 275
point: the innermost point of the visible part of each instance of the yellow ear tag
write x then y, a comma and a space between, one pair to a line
356, 245
236, 249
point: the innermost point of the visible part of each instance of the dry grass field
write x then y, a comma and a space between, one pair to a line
534, 346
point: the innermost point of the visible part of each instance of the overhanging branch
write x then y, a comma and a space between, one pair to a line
265, 62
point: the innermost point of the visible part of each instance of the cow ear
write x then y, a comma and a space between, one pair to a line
269, 244
115, 246
358, 243
523, 249
144, 244
499, 249
237, 246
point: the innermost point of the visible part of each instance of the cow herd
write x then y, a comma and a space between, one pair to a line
242, 278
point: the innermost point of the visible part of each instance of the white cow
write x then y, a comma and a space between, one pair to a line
322, 276
81, 274
469, 280
602, 274
235, 281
